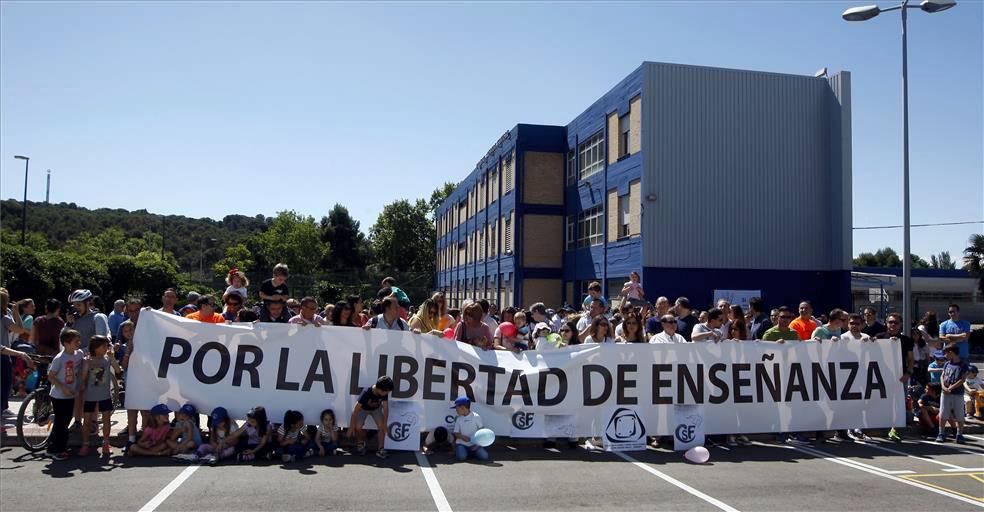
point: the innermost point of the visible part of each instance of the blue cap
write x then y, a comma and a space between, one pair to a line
219, 414
160, 410
939, 354
189, 410
972, 369
462, 401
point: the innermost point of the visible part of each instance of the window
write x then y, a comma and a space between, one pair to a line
623, 136
623, 216
508, 242
462, 212
571, 232
589, 229
507, 174
493, 185
571, 167
591, 156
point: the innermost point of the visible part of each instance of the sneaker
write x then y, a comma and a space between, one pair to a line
960, 439
360, 448
310, 453
732, 442
797, 439
211, 459
107, 450
7, 413
941, 438
288, 458
894, 436
83, 451
381, 453
127, 446
859, 435
60, 456
187, 457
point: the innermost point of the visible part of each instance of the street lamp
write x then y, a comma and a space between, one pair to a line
27, 161
866, 13
201, 257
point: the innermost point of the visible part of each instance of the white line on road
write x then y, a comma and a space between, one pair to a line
896, 452
432, 484
848, 463
962, 448
851, 461
974, 437
972, 470
646, 467
168, 489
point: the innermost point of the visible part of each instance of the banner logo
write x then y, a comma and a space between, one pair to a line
625, 426
523, 420
401, 430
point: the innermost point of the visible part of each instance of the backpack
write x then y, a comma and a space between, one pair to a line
374, 323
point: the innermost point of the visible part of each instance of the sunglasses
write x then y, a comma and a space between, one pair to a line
565, 330
786, 317
667, 321
854, 323
890, 322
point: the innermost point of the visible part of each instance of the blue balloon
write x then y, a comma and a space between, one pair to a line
484, 437
31, 381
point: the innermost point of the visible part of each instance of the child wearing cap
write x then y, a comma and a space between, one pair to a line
221, 443
185, 436
374, 401
467, 423
974, 397
936, 367
153, 440
952, 401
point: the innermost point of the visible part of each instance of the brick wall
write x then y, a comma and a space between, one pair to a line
543, 239
543, 178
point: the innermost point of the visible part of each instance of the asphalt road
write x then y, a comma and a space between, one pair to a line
879, 475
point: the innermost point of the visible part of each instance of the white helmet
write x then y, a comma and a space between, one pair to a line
79, 296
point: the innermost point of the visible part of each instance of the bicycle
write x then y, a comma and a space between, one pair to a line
36, 414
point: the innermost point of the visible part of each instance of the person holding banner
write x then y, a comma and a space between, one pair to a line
308, 314
668, 333
389, 319
374, 402
472, 330
781, 333
804, 325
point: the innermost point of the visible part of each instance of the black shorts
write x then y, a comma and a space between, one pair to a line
104, 406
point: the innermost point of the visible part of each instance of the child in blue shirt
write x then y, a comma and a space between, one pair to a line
936, 367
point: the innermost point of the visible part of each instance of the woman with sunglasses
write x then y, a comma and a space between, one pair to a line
342, 314
631, 329
426, 319
444, 320
568, 333
233, 303
599, 332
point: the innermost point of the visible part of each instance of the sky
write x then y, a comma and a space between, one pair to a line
209, 109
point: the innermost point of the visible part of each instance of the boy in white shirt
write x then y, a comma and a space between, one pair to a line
465, 426
974, 395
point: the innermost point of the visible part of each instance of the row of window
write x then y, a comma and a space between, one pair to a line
481, 287
587, 228
483, 193
484, 243
589, 157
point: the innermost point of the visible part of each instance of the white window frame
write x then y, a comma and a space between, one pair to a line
591, 156
590, 228
624, 126
624, 229
571, 240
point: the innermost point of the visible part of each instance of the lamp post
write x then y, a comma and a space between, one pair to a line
865, 13
27, 161
201, 257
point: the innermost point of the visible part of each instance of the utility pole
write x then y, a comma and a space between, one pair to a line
47, 189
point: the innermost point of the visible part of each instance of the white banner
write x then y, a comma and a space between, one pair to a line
404, 425
744, 387
689, 431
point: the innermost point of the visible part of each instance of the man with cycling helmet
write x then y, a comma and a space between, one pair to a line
87, 321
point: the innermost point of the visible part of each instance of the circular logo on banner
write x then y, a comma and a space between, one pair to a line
401, 429
685, 433
625, 425
523, 420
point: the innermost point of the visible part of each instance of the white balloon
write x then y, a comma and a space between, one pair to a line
698, 455
484, 437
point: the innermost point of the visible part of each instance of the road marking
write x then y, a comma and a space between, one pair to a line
962, 448
649, 469
851, 461
924, 459
958, 494
905, 479
168, 489
974, 437
432, 484
943, 474
968, 469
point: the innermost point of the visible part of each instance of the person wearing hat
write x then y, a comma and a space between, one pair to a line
153, 440
936, 367
185, 437
465, 426
221, 444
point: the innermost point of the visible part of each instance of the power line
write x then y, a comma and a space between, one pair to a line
924, 225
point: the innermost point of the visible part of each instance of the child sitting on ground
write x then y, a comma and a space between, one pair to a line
437, 440
325, 440
253, 438
465, 426
974, 397
153, 440
221, 443
292, 442
185, 436
929, 408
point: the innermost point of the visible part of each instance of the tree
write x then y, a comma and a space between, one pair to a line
236, 256
942, 261
293, 239
348, 245
973, 257
887, 257
439, 195
403, 237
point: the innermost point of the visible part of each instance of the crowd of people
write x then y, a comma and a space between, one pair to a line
90, 353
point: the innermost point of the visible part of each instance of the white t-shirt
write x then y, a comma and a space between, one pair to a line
633, 290
975, 384
664, 337
847, 336
489, 321
584, 322
467, 425
703, 328
241, 291
589, 339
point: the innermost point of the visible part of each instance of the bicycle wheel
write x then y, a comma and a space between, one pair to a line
35, 419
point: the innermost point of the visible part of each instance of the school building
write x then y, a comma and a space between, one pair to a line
701, 179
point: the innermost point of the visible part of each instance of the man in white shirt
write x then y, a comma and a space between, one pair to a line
854, 324
668, 334
488, 319
710, 330
597, 309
